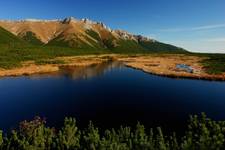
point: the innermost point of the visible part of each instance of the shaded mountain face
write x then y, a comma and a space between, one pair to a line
8, 39
84, 33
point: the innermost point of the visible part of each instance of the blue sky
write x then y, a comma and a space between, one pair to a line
197, 25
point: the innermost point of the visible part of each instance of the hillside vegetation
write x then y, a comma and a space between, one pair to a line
9, 40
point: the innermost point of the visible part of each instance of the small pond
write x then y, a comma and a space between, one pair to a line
185, 67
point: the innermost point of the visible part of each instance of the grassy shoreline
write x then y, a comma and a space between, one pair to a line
165, 65
52, 65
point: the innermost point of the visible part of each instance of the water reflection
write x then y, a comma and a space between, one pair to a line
86, 72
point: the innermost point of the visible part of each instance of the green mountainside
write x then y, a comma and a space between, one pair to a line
31, 38
8, 39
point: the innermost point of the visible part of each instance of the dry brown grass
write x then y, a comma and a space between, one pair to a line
165, 65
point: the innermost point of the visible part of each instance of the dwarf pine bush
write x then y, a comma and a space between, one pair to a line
203, 133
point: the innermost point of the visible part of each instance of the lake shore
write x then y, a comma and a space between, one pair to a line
166, 65
30, 68
163, 65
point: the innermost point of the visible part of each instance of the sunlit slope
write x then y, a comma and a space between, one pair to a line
83, 34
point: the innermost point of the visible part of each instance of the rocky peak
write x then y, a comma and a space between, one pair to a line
68, 20
104, 26
88, 21
85, 24
125, 35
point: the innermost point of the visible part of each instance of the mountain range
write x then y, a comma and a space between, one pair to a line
77, 34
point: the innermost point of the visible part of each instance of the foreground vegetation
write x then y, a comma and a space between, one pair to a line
203, 133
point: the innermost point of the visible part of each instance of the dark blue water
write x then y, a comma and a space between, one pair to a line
110, 95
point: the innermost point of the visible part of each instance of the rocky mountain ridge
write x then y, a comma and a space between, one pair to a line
77, 33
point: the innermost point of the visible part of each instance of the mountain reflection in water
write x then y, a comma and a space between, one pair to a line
86, 72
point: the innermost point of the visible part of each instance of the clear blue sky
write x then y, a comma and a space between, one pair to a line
197, 25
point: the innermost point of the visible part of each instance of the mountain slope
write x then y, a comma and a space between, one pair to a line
43, 30
9, 39
83, 34
160, 47
31, 38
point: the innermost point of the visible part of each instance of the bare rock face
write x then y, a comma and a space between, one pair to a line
104, 26
125, 35
88, 21
128, 36
69, 20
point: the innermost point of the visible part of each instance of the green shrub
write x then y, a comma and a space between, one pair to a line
202, 134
